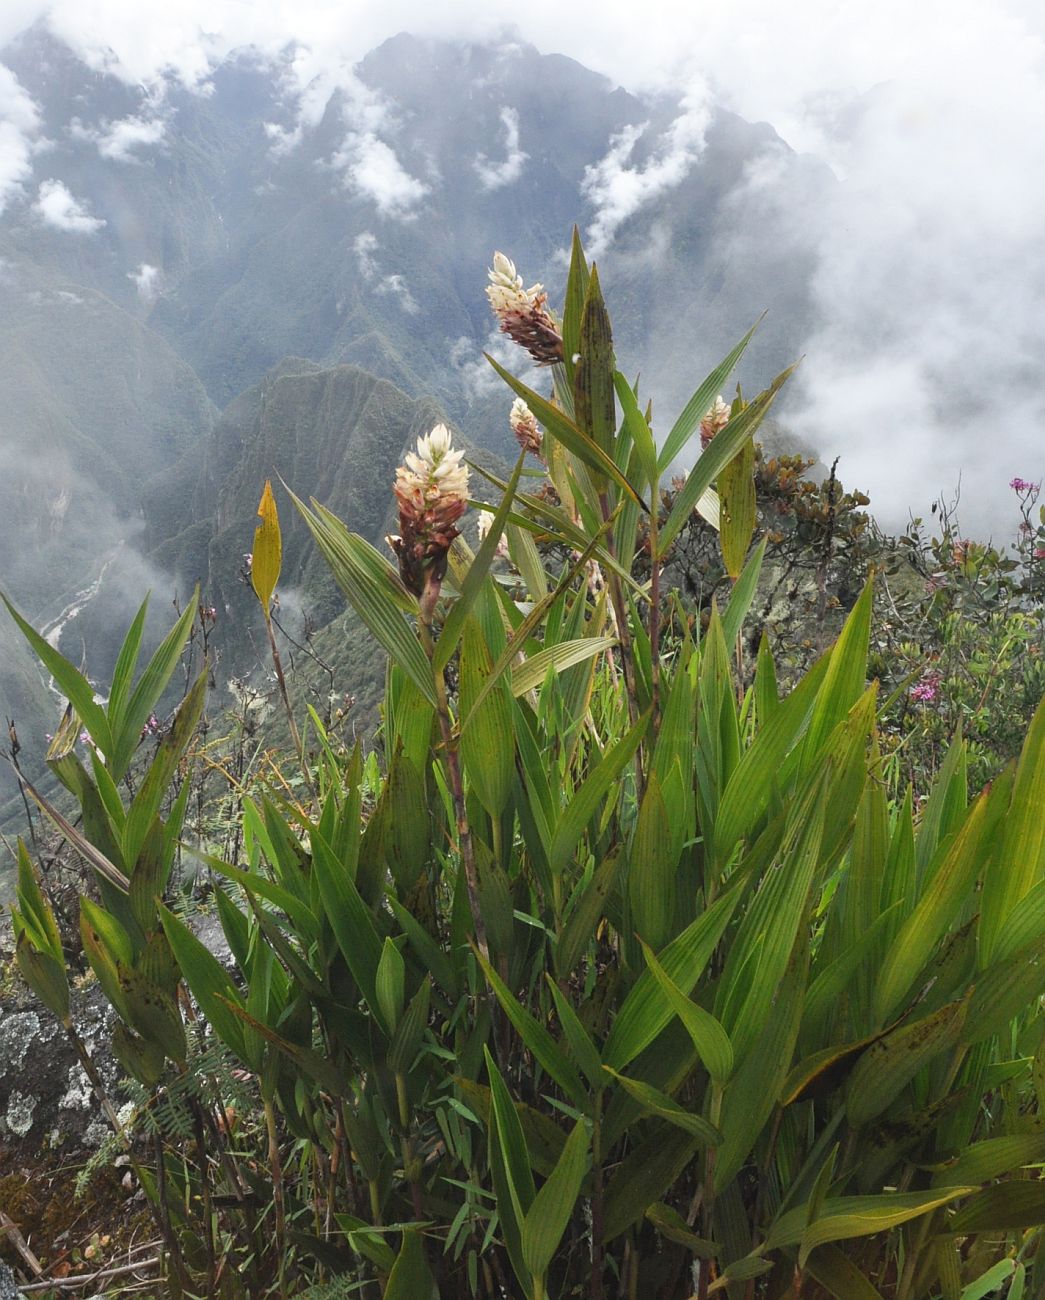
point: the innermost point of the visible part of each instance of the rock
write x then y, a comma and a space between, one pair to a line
46, 1100
8, 1287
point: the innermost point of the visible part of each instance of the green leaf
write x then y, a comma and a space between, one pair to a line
210, 983
350, 919
991, 1158
895, 1058
577, 932
431, 956
708, 1036
582, 1048
651, 868
409, 1032
741, 1270
505, 1119
673, 1227
638, 430
715, 457
536, 1037
153, 1013
756, 1084
527, 559
1004, 991
73, 685
697, 406
300, 913
531, 622
150, 687
565, 431
593, 405
845, 1217
390, 985
532, 672
487, 748
645, 1011
947, 892
45, 975
743, 594
839, 1276
1002, 1207
755, 779
845, 679
267, 555
573, 306
1021, 861
156, 784
989, 1283
411, 1278
374, 590
737, 508
659, 1103
126, 662
588, 797
35, 905
476, 575
644, 1176
554, 1205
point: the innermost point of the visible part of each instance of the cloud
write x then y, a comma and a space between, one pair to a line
372, 170
397, 286
118, 140
493, 175
925, 363
478, 377
146, 281
57, 207
364, 246
926, 276
19, 128
618, 186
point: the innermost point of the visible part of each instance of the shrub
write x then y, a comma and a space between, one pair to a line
622, 973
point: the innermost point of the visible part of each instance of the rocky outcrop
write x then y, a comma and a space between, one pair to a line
46, 1101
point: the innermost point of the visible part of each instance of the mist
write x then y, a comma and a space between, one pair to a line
922, 361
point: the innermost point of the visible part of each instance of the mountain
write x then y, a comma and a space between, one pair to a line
203, 288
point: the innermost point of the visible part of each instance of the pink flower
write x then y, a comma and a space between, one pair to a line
926, 690
716, 417
522, 313
1024, 486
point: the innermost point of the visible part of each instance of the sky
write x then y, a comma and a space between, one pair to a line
928, 363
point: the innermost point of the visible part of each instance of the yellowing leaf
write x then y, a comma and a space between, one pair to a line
268, 550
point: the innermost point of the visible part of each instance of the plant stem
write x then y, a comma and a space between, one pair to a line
276, 1169
597, 1219
624, 637
654, 616
453, 770
277, 663
91, 1070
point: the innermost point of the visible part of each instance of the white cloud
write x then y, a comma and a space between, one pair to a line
928, 269
372, 169
479, 378
57, 207
118, 140
492, 175
19, 128
146, 281
397, 286
365, 246
618, 187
